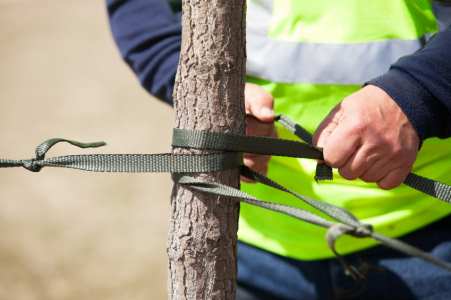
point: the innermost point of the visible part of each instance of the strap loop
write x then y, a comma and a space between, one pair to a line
43, 148
336, 231
31, 165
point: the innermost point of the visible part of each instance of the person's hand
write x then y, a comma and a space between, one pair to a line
259, 122
368, 136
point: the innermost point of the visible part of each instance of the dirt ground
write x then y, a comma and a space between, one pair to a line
67, 234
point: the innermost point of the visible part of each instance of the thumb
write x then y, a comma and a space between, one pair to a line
327, 126
323, 132
259, 103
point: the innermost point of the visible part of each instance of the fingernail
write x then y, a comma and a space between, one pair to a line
266, 112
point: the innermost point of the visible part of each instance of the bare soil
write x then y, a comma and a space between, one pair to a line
66, 234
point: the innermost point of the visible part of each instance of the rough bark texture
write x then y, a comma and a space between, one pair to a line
209, 95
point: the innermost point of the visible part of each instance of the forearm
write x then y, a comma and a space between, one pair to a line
421, 85
148, 35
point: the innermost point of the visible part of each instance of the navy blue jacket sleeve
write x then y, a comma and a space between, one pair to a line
148, 34
421, 85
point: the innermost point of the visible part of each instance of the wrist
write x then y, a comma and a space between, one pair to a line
419, 106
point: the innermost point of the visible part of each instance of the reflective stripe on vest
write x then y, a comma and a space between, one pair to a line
323, 63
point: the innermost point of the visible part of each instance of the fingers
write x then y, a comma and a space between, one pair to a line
382, 172
258, 163
393, 179
356, 165
371, 167
245, 179
368, 136
258, 103
256, 128
327, 126
340, 146
259, 122
337, 138
378, 170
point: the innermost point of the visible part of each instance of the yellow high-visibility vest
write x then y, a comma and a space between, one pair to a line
310, 55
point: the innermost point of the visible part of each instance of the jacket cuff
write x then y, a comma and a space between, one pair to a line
420, 106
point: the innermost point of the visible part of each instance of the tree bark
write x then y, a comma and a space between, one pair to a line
209, 95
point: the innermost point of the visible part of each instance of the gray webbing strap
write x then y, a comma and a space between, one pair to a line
428, 186
295, 128
348, 224
129, 163
180, 164
332, 211
335, 230
224, 190
198, 139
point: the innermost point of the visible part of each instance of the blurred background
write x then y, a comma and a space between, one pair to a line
67, 234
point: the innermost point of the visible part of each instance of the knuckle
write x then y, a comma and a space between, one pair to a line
383, 185
265, 98
256, 162
347, 101
372, 156
249, 162
369, 178
330, 157
398, 153
357, 125
365, 179
331, 160
387, 185
401, 161
336, 163
333, 163
347, 173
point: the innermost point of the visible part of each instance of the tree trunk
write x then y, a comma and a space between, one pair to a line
209, 95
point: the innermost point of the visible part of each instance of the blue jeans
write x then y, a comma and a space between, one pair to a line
389, 274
